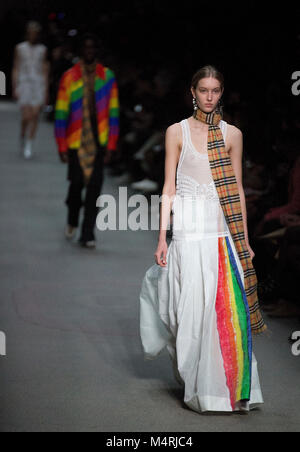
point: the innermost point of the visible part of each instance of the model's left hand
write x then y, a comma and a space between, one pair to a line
252, 254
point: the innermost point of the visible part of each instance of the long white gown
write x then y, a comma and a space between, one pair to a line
180, 304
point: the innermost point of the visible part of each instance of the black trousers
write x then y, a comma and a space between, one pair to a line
74, 199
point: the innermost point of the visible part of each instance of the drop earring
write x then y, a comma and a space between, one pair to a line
195, 104
220, 107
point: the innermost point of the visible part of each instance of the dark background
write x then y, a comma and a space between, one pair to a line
255, 44
256, 49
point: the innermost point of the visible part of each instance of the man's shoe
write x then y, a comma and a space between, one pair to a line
70, 232
91, 244
87, 238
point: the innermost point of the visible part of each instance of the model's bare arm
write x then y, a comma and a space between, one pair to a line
172, 152
46, 72
15, 71
236, 155
169, 188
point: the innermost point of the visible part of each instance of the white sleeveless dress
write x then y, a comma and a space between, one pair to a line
178, 301
31, 82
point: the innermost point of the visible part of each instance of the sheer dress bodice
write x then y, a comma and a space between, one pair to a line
196, 208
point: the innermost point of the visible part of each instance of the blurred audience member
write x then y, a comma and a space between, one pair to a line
271, 219
286, 302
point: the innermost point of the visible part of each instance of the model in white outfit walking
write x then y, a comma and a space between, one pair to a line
30, 84
182, 293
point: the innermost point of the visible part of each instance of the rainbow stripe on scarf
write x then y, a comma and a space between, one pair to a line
234, 325
68, 110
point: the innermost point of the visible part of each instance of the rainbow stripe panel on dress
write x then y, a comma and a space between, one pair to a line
234, 326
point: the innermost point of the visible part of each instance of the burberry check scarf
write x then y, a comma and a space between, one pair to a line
88, 147
226, 185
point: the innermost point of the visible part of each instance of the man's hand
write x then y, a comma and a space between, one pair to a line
107, 157
63, 157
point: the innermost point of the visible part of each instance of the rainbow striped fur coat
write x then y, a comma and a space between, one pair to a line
68, 109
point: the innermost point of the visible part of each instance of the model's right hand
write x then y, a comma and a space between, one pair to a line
63, 157
161, 253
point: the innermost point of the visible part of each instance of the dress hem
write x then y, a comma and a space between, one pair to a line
221, 404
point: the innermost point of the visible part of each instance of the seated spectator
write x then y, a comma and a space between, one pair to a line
267, 248
271, 219
286, 301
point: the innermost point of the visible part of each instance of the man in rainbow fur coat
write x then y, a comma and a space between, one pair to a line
86, 132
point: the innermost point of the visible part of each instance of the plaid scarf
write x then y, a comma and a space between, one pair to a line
88, 147
226, 185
